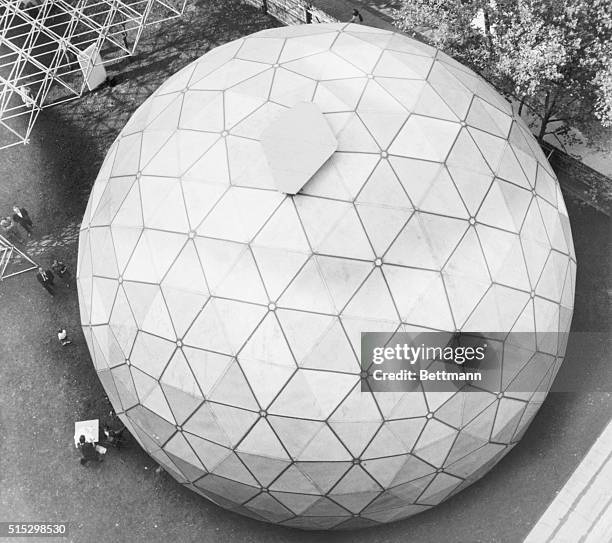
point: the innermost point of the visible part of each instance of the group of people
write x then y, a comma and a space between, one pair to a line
93, 451
47, 277
9, 229
9, 225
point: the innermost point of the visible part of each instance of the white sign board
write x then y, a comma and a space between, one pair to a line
91, 65
88, 428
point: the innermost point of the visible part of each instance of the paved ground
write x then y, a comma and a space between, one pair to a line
582, 511
374, 12
44, 388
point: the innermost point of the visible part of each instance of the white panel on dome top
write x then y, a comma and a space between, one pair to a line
296, 145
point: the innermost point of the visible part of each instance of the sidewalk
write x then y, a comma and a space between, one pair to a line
343, 9
582, 511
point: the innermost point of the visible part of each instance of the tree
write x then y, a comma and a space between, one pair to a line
553, 56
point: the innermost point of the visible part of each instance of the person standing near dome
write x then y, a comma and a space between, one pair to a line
22, 217
356, 17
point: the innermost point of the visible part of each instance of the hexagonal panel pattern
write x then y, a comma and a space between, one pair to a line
223, 316
296, 145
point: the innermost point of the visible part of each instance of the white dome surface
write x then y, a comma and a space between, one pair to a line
224, 316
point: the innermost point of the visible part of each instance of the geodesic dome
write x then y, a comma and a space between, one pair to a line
223, 313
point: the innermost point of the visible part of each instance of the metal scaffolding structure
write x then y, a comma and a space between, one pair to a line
13, 261
52, 51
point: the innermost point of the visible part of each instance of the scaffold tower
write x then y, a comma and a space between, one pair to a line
52, 51
13, 261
